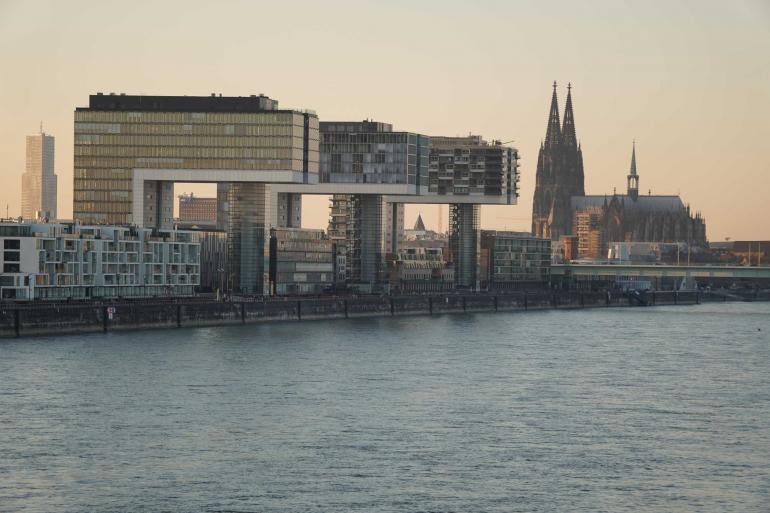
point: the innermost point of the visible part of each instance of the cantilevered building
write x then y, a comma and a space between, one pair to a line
390, 168
129, 151
370, 154
39, 182
473, 168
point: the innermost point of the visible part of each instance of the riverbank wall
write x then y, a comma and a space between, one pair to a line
18, 320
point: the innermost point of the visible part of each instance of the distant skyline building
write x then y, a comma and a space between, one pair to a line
197, 210
602, 220
39, 181
562, 209
559, 175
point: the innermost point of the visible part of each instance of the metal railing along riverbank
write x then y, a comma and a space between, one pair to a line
78, 317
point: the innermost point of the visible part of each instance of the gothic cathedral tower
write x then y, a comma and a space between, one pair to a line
559, 174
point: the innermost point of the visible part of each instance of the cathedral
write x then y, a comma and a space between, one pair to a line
559, 174
561, 209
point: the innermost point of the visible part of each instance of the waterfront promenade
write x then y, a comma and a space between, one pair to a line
59, 318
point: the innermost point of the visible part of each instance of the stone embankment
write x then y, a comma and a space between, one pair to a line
78, 317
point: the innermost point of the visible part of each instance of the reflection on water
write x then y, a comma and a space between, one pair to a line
657, 409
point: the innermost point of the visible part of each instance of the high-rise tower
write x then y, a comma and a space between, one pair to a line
39, 183
559, 173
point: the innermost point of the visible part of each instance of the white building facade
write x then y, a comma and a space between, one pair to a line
72, 261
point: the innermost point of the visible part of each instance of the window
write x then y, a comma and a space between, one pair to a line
11, 244
10, 268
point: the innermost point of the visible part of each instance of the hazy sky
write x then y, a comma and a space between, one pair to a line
689, 80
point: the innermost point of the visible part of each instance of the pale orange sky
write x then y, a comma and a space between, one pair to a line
689, 80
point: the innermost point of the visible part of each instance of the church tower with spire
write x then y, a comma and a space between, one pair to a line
633, 178
559, 173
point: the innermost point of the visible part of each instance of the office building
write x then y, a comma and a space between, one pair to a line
196, 210
472, 167
129, 151
39, 182
301, 261
73, 261
370, 154
420, 270
215, 260
514, 260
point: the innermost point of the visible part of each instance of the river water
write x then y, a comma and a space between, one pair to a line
645, 409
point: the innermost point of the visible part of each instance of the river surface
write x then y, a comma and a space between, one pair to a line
644, 409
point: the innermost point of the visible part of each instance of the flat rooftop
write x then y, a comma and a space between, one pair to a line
213, 103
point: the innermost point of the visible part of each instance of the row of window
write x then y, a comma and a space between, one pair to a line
85, 129
187, 152
267, 141
116, 291
109, 195
375, 138
84, 184
88, 211
113, 174
191, 117
193, 163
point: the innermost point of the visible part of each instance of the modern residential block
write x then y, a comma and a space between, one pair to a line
73, 261
301, 261
514, 260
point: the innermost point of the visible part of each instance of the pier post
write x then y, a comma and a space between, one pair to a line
676, 297
464, 304
243, 313
430, 305
582, 300
105, 320
392, 307
178, 315
526, 303
299, 310
495, 303
346, 307
17, 322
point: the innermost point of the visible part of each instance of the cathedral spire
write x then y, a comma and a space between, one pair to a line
633, 178
553, 133
568, 130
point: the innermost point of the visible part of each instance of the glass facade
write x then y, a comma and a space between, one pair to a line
53, 261
464, 243
515, 259
39, 182
301, 260
372, 154
469, 166
110, 144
